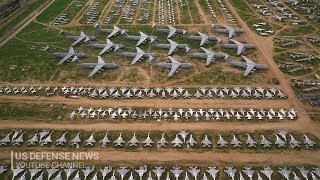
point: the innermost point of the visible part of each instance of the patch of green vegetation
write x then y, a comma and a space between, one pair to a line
184, 15
53, 11
315, 117
296, 31
23, 13
195, 15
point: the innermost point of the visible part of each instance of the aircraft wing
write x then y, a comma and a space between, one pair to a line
96, 69
106, 48
203, 40
172, 48
249, 68
171, 33
248, 61
240, 49
231, 33
174, 68
115, 31
209, 58
138, 56
65, 58
78, 40
141, 40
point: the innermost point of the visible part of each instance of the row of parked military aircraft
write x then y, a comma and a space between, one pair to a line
183, 114
174, 64
160, 172
139, 92
182, 139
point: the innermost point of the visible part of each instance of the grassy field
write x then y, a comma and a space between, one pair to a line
53, 11
16, 18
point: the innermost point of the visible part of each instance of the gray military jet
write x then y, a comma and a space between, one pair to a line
267, 171
158, 171
52, 172
221, 142
6, 140
203, 38
230, 171
194, 171
235, 142
228, 30
176, 142
141, 39
137, 56
172, 46
141, 171
112, 32
133, 141
62, 140
106, 47
213, 171
206, 142
171, 30
240, 47
176, 171
249, 65
71, 54
100, 65
77, 39
162, 142
105, 171
3, 169
105, 140
148, 141
122, 171
119, 141
210, 56
308, 142
173, 66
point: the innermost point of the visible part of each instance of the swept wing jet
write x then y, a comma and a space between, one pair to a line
71, 54
112, 32
172, 46
240, 47
106, 47
203, 38
171, 30
141, 39
249, 65
210, 56
137, 55
228, 30
77, 39
100, 65
173, 66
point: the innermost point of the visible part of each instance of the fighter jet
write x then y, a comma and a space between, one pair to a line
228, 30
203, 38
133, 141
76, 140
267, 171
176, 142
52, 172
172, 46
148, 141
249, 65
280, 142
112, 32
158, 171
87, 171
176, 171
249, 172
209, 55
221, 142
62, 140
16, 171
307, 142
230, 171
171, 30
105, 171
6, 140
206, 142
90, 141
184, 135
304, 172
99, 66
293, 142
235, 142
191, 142
105, 141
106, 47
141, 39
137, 56
3, 169
250, 142
213, 171
122, 171
141, 171
119, 141
264, 142
284, 172
77, 39
194, 171
162, 142
173, 66
65, 56
240, 47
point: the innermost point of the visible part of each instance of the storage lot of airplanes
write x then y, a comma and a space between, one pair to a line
174, 65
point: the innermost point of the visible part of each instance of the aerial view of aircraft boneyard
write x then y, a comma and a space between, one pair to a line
159, 89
